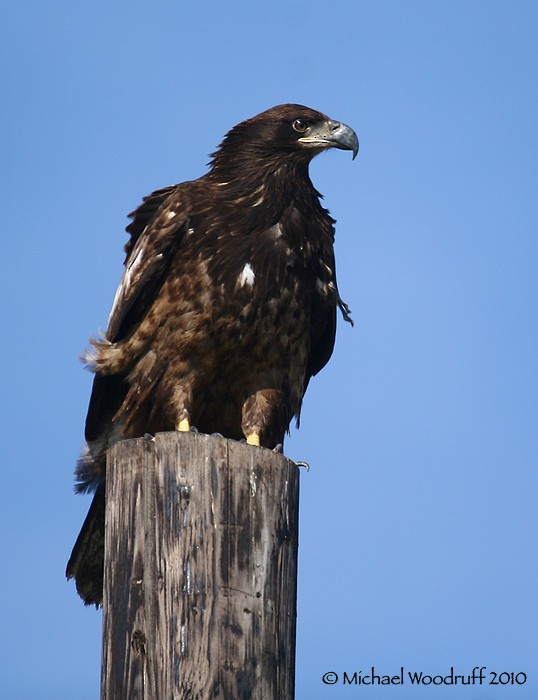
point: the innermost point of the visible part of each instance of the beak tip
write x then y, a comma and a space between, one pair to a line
355, 147
347, 139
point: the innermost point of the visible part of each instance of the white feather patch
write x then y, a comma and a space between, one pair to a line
247, 276
275, 231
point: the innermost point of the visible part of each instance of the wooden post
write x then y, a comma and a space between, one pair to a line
200, 570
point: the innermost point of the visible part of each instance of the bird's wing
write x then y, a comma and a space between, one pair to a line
323, 346
156, 231
324, 315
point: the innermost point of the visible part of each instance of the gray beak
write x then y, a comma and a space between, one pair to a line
332, 134
342, 136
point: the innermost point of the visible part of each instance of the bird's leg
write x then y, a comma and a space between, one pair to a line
265, 418
181, 401
181, 405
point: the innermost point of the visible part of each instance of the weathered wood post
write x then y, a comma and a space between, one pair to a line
200, 570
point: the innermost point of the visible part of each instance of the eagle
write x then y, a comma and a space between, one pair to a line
226, 308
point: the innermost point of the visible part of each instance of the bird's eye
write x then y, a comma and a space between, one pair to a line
300, 126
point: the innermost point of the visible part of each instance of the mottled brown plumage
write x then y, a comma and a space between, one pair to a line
226, 308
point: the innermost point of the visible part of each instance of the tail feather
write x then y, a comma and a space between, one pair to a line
86, 563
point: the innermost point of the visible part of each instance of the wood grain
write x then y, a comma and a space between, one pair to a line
200, 570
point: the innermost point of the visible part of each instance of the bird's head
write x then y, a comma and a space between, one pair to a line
288, 132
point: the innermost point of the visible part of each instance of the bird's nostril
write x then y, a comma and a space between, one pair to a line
334, 125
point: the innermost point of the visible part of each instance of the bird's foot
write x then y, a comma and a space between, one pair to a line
253, 439
279, 448
184, 426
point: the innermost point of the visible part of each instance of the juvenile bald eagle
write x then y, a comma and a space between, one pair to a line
226, 308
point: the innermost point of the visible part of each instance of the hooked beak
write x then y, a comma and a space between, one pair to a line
332, 134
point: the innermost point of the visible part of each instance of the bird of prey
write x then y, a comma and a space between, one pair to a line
226, 308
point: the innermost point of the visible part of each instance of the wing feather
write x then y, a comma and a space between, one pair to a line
145, 214
324, 315
156, 232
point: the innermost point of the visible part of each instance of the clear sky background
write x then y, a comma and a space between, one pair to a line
418, 522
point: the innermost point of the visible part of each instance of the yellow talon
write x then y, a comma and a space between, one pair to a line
253, 439
184, 425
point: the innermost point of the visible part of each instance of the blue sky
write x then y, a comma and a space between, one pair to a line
418, 522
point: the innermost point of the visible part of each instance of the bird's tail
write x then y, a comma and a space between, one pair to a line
87, 558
